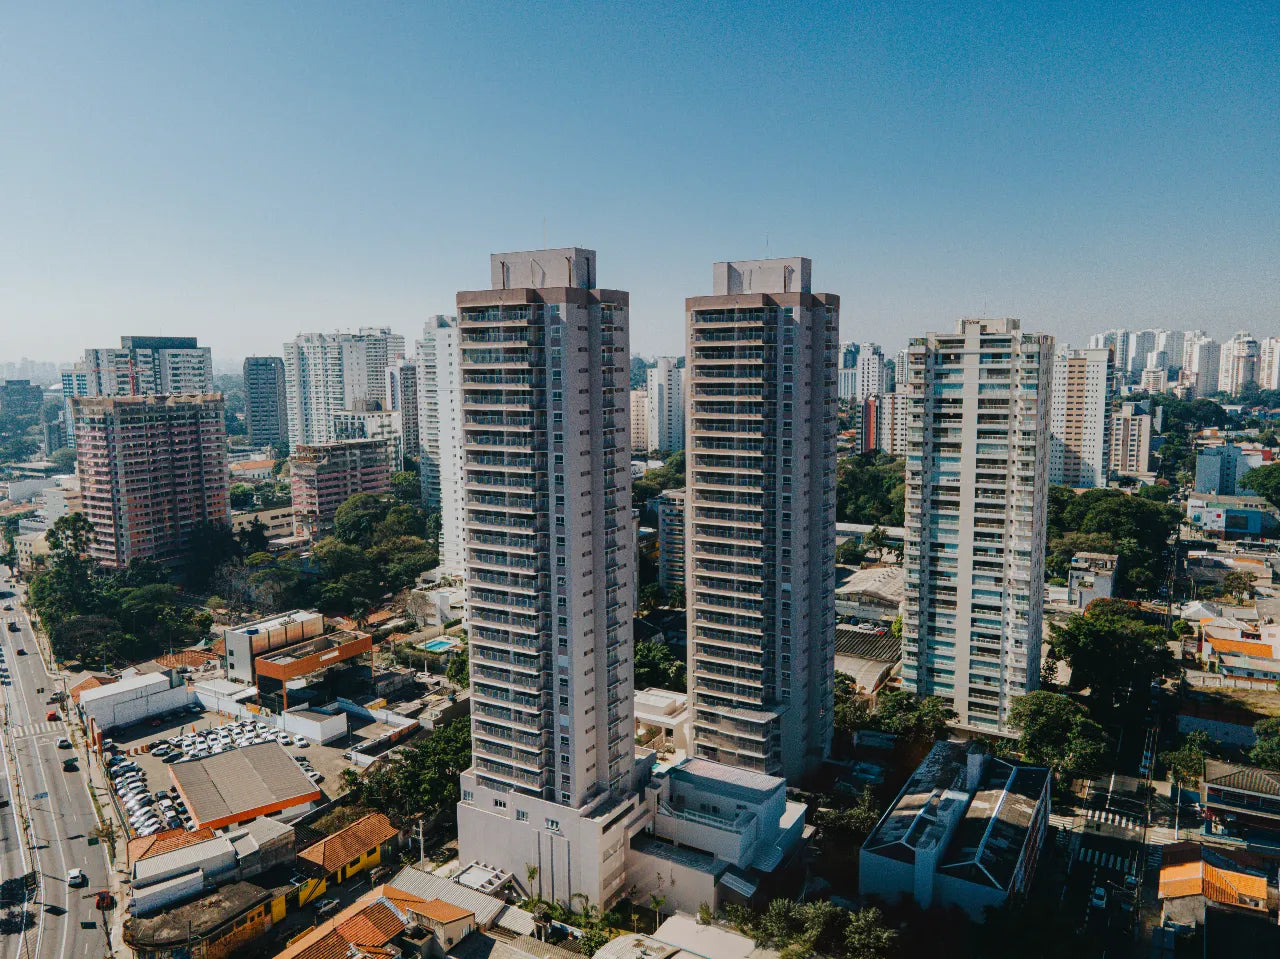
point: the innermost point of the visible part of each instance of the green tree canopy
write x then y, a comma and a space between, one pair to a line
406, 487
871, 489
357, 519
1111, 651
1265, 481
655, 665
1056, 732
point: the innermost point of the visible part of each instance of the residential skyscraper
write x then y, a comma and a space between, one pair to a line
640, 424
760, 516
439, 360
384, 425
323, 476
151, 469
1269, 363
150, 366
328, 372
402, 398
1239, 366
891, 429
1118, 342
1203, 358
900, 371
1079, 418
671, 549
871, 372
1130, 440
977, 490
848, 372
265, 409
549, 542
664, 393
1141, 342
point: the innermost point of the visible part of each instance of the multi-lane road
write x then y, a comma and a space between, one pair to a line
53, 806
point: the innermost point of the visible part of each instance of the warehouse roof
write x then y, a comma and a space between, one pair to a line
239, 781
124, 686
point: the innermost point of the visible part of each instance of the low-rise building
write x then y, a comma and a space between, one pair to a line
1194, 877
1092, 576
242, 784
243, 644
874, 593
277, 521
965, 831
662, 718
1240, 801
351, 850
30, 548
251, 471
133, 699
385, 922
214, 926
1232, 516
866, 656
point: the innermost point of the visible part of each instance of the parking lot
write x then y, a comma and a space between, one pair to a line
146, 751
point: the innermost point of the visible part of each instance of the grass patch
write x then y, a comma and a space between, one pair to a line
339, 818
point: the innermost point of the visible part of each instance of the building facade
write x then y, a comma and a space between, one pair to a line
384, 425
20, 398
1130, 440
671, 549
438, 357
323, 476
402, 398
977, 490
151, 468
549, 570
760, 516
328, 372
1239, 365
664, 394
1079, 418
871, 372
265, 409
640, 424
891, 430
150, 366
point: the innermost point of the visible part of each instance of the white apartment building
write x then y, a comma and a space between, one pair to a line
891, 425
149, 366
671, 547
402, 398
549, 570
847, 375
1130, 440
640, 424
664, 398
900, 371
385, 425
438, 357
977, 490
1239, 366
1079, 418
1202, 357
871, 372
760, 517
1141, 342
1269, 363
1118, 342
328, 372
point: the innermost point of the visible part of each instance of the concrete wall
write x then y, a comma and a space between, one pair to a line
884, 878
684, 887
134, 705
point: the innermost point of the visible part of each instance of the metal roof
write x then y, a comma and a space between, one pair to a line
240, 780
489, 911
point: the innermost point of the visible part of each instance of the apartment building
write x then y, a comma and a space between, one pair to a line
151, 468
1141, 343
1239, 365
760, 516
323, 476
847, 375
1079, 418
149, 365
671, 549
1117, 341
1202, 356
891, 423
438, 358
384, 425
20, 397
265, 409
1130, 440
1269, 363
328, 372
871, 372
402, 398
549, 572
977, 490
640, 424
664, 394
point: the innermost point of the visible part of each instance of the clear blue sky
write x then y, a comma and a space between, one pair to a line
245, 171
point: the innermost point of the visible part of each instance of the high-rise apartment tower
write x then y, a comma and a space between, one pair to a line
1079, 418
264, 400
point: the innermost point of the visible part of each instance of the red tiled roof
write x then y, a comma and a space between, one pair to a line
93, 682
143, 847
350, 843
365, 926
218, 647
185, 657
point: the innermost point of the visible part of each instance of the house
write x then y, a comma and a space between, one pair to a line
965, 831
1241, 801
349, 851
1193, 876
1092, 576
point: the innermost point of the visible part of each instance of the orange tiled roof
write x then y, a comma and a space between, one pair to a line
93, 682
1201, 878
379, 617
366, 925
218, 647
185, 657
436, 909
143, 847
251, 465
349, 843
1242, 646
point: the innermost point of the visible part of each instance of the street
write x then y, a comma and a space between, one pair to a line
55, 806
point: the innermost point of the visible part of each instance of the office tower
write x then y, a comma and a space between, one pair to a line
891, 426
1269, 363
671, 551
848, 373
383, 425
1239, 365
402, 398
150, 366
760, 517
151, 469
900, 372
1203, 358
977, 490
1141, 343
323, 476
328, 372
871, 372
664, 392
1079, 417
264, 401
640, 424
549, 542
439, 361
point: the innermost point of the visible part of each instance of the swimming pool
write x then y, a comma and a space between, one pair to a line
439, 645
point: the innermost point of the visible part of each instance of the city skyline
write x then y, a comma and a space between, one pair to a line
219, 171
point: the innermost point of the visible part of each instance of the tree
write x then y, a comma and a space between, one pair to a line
458, 671
867, 936
850, 826
871, 489
851, 711
1238, 584
1111, 651
850, 553
355, 520
917, 720
422, 778
253, 538
1266, 750
208, 546
1056, 732
651, 597
242, 496
64, 459
655, 665
406, 487
1186, 763
1265, 481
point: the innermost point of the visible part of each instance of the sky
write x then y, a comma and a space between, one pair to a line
243, 172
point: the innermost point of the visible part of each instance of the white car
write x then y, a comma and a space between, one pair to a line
299, 742
76, 877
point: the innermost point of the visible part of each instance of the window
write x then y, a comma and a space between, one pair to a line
466, 795
500, 804
521, 816
553, 824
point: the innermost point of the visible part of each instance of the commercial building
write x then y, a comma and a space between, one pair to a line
549, 571
353, 849
151, 469
281, 671
384, 425
328, 372
1130, 440
965, 832
760, 516
243, 644
1079, 418
325, 475
1196, 878
402, 398
640, 424
671, 550
266, 413
242, 784
977, 493
217, 925
664, 396
20, 398
1232, 516
438, 358
132, 700
149, 366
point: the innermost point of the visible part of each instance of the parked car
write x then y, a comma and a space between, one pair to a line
64, 743
1099, 898
76, 878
